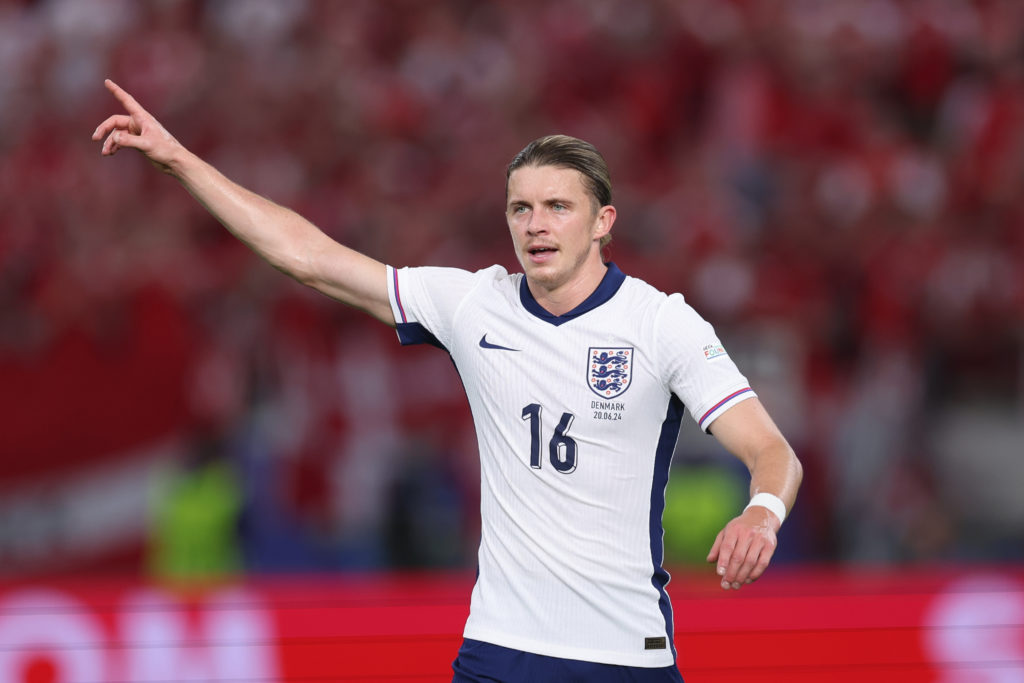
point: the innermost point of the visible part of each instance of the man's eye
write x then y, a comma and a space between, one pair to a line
558, 207
519, 209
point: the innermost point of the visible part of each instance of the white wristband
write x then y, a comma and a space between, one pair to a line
772, 502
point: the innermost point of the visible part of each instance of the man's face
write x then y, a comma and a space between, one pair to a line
556, 224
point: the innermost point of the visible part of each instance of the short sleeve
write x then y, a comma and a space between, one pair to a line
695, 364
425, 301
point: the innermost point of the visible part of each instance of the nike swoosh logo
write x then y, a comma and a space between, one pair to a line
484, 344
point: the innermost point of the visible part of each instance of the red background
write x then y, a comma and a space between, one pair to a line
795, 625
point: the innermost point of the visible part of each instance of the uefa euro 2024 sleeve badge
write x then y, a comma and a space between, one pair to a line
610, 370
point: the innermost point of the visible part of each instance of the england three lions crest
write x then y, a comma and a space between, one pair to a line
610, 371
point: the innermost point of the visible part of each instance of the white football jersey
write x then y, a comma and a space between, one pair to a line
576, 419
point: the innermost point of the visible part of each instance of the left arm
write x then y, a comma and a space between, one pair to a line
745, 546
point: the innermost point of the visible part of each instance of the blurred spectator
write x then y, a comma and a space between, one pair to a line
699, 501
196, 517
424, 526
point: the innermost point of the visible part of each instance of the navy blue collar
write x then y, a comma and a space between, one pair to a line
610, 284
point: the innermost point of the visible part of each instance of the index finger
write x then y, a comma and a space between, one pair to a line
126, 100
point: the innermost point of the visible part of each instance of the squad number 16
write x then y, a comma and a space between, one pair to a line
562, 450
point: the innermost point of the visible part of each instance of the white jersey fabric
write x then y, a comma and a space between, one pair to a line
576, 418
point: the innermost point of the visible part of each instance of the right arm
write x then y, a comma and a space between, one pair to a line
285, 239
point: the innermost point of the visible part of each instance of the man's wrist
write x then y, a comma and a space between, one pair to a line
771, 502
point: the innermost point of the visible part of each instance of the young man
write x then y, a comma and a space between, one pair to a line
577, 376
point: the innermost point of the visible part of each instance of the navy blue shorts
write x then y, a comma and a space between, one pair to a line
480, 662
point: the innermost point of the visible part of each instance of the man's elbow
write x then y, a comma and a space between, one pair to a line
796, 468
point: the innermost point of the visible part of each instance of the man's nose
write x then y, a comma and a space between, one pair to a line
536, 225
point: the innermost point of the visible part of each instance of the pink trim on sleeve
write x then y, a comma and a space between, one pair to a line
721, 403
398, 297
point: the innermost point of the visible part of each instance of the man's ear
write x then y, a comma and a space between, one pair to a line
604, 221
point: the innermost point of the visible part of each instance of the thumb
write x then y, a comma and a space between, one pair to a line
125, 138
119, 138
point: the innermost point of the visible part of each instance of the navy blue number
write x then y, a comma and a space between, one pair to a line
562, 448
532, 413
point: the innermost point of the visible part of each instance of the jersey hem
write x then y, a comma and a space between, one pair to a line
654, 660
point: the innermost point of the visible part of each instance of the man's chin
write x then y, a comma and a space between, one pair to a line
541, 273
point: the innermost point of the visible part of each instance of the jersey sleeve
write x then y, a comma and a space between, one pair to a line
696, 365
425, 300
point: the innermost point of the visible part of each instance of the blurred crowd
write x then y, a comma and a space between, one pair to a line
836, 186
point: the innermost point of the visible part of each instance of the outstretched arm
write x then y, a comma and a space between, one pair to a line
745, 546
285, 239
